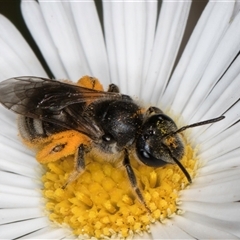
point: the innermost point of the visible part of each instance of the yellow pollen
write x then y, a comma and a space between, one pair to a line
84, 198
101, 202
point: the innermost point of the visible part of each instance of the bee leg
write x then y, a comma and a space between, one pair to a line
79, 166
133, 180
113, 88
153, 110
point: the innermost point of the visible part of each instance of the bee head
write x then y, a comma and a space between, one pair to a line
157, 143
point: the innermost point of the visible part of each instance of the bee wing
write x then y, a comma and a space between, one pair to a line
51, 101
28, 95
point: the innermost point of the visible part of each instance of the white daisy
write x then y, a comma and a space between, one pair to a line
136, 49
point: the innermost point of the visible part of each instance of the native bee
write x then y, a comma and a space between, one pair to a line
84, 118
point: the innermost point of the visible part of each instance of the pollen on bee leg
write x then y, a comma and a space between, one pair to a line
58, 146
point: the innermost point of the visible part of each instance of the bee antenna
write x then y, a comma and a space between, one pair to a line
187, 175
209, 121
183, 169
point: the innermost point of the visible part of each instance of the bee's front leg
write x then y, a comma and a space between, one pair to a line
132, 179
79, 164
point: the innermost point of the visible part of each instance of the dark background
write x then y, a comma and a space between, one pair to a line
11, 9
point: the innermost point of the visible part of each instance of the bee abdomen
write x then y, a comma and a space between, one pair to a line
30, 128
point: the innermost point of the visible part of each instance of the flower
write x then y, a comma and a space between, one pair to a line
140, 60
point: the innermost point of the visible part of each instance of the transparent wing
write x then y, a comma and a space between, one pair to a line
52, 101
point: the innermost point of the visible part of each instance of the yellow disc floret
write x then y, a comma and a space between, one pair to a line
101, 202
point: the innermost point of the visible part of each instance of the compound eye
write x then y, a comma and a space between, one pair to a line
108, 138
148, 159
145, 154
164, 117
149, 133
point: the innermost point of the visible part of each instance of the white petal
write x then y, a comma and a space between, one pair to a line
227, 161
158, 231
114, 28
50, 233
170, 29
222, 211
16, 59
135, 22
11, 141
11, 62
236, 8
68, 235
35, 22
198, 52
229, 227
8, 66
168, 231
216, 178
9, 133
8, 118
14, 155
144, 235
19, 191
91, 37
223, 106
216, 67
223, 94
200, 230
150, 28
20, 181
9, 136
18, 229
129, 29
221, 144
111, 50
64, 34
12, 165
16, 201
214, 193
19, 214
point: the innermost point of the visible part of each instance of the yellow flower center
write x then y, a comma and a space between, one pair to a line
101, 201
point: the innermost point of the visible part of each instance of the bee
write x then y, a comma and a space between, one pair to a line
62, 118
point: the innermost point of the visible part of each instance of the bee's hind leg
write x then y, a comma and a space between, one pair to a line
79, 164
